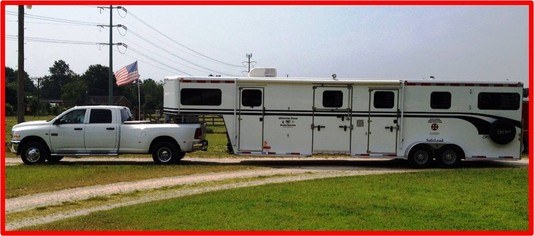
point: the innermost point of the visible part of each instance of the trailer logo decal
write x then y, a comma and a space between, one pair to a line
288, 122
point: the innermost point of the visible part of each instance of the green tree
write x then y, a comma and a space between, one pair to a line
152, 92
11, 86
96, 79
74, 92
60, 75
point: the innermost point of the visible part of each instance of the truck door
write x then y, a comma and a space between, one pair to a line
101, 132
332, 121
383, 121
250, 117
67, 135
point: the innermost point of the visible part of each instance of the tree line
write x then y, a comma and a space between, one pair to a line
74, 90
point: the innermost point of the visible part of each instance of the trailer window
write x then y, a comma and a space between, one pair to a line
498, 101
332, 98
251, 97
440, 100
201, 97
384, 99
100, 116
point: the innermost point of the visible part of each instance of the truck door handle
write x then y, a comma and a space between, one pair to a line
53, 134
110, 128
78, 129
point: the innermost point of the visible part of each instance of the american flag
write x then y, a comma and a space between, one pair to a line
127, 74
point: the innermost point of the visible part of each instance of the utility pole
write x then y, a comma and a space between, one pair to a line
20, 79
249, 55
248, 61
110, 74
110, 84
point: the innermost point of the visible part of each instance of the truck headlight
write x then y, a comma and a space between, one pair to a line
15, 136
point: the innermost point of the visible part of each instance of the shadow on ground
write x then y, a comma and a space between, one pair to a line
316, 164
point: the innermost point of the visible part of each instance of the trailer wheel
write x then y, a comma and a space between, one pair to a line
502, 132
165, 153
33, 153
54, 159
420, 157
450, 156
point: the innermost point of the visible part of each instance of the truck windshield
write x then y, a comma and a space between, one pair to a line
125, 115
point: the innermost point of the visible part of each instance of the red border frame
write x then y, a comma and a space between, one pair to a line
267, 2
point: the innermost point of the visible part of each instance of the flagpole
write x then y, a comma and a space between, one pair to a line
139, 98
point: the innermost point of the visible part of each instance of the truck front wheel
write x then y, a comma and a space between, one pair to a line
33, 153
165, 153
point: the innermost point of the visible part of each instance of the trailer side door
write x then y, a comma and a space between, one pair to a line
383, 121
332, 121
250, 116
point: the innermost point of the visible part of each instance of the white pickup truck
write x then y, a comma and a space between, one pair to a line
103, 130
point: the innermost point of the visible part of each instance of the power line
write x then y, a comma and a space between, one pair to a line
145, 62
49, 40
86, 23
47, 23
142, 54
165, 58
175, 55
54, 19
183, 45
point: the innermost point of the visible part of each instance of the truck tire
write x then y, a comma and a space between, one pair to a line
420, 157
502, 132
449, 156
165, 153
34, 152
181, 155
54, 159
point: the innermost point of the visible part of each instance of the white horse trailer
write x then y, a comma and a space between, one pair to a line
417, 120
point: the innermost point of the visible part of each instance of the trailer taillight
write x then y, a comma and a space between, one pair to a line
198, 133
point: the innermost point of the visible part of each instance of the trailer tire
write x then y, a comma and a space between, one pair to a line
34, 152
449, 156
502, 132
165, 153
420, 157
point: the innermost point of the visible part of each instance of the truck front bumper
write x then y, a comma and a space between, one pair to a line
14, 146
200, 145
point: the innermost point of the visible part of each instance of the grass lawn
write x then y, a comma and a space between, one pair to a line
462, 199
23, 179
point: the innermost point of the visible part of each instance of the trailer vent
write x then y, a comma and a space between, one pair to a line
262, 72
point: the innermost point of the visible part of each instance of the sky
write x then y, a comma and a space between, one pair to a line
390, 42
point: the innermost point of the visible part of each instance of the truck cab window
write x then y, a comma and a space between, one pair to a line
73, 117
100, 116
125, 115
251, 97
332, 98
